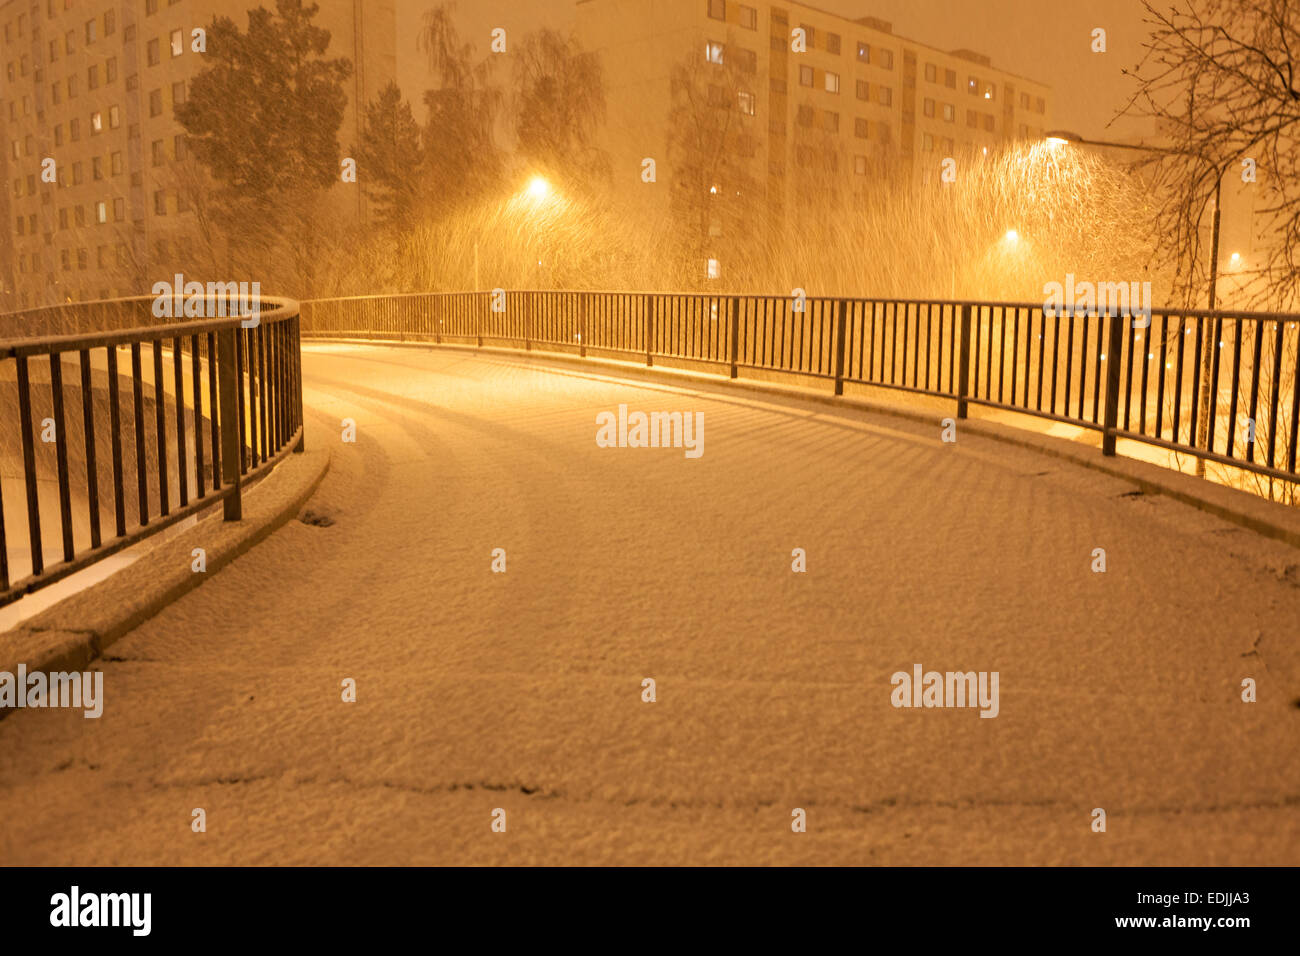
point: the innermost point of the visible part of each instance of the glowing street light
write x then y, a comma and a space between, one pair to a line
1012, 237
539, 188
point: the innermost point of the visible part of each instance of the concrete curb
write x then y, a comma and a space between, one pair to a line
1249, 511
72, 633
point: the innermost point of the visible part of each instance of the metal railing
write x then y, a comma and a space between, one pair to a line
1220, 386
212, 405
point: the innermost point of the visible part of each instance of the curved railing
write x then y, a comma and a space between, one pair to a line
209, 404
1218, 386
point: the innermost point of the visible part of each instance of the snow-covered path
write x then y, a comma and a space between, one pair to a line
523, 690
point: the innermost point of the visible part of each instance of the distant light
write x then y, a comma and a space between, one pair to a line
1012, 236
1236, 258
1057, 141
986, 150
713, 190
539, 188
988, 95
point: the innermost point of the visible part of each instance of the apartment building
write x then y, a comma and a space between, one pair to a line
92, 84
885, 103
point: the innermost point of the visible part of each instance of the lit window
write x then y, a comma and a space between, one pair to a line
746, 103
860, 165
101, 212
96, 122
832, 82
864, 53
713, 52
713, 269
178, 45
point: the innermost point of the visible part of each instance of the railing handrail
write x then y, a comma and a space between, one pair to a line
43, 344
1169, 311
1229, 394
237, 378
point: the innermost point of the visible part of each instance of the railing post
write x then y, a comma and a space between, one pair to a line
297, 385
480, 314
582, 324
228, 414
649, 330
963, 366
528, 321
733, 306
1114, 347
841, 325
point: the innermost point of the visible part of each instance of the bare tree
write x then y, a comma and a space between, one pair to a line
1219, 78
462, 161
558, 104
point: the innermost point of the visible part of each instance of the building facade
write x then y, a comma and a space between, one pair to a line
93, 85
874, 103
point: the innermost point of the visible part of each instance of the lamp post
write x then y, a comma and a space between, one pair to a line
1062, 138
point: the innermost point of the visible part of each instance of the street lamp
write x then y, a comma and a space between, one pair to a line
1058, 138
539, 188
1064, 137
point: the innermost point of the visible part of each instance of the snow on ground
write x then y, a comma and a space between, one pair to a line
523, 690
